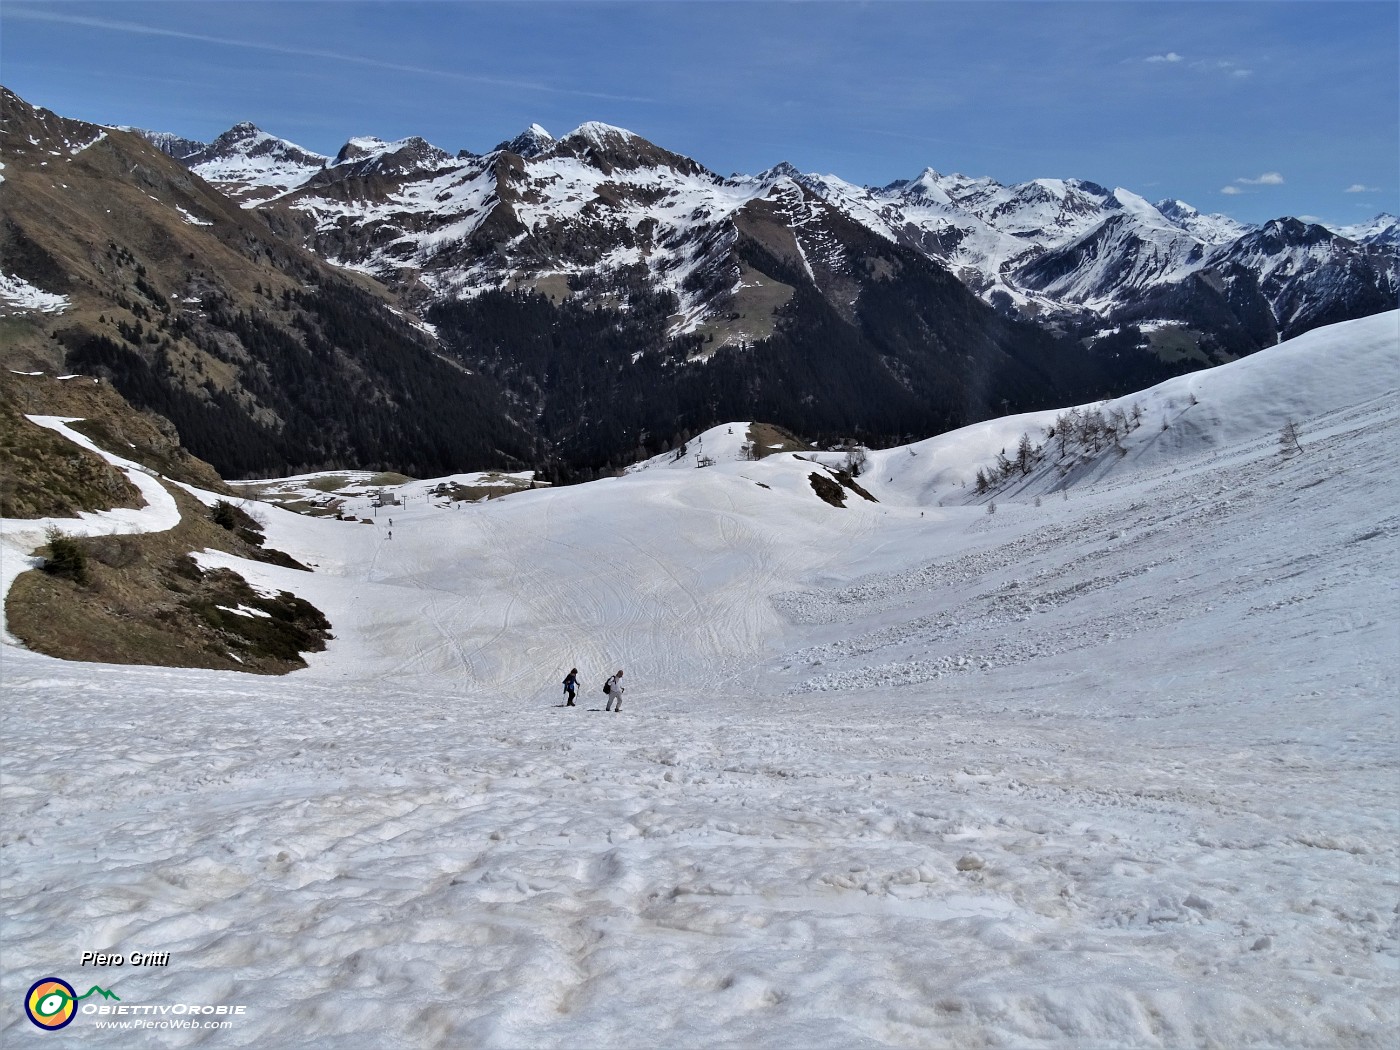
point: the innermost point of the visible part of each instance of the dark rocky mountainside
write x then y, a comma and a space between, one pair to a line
265, 358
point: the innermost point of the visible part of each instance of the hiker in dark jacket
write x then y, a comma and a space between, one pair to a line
614, 690
571, 687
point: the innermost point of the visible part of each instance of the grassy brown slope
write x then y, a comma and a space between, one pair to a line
81, 223
111, 423
752, 315
267, 359
768, 439
146, 602
115, 227
43, 474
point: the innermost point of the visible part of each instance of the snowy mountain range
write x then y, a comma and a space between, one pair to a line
1067, 252
574, 303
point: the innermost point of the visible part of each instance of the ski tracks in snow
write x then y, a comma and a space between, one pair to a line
1037, 593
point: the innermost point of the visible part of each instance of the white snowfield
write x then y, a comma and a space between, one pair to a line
1114, 770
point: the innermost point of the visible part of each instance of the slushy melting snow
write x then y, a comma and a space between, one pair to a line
1114, 765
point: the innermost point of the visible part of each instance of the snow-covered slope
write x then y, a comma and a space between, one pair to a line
1122, 255
1384, 229
252, 166
1189, 418
367, 156
1115, 768
599, 198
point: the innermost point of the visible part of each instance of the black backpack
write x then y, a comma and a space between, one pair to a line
607, 686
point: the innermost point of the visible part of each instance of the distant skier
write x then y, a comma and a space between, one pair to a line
571, 687
613, 687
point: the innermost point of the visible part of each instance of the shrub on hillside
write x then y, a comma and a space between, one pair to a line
224, 514
66, 558
237, 521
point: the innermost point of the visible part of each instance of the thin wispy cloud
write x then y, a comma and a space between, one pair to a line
139, 29
1269, 178
1200, 65
1233, 69
1231, 191
1357, 187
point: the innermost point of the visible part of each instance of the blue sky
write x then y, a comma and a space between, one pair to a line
1253, 109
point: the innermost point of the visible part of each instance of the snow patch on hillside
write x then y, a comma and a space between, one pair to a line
191, 218
17, 294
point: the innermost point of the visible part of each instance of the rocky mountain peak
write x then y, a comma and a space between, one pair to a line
1178, 210
1277, 234
170, 144
926, 187
609, 149
781, 170
1211, 229
358, 148
1383, 230
596, 133
402, 156
246, 139
239, 138
531, 142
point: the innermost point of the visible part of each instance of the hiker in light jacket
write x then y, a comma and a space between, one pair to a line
614, 690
